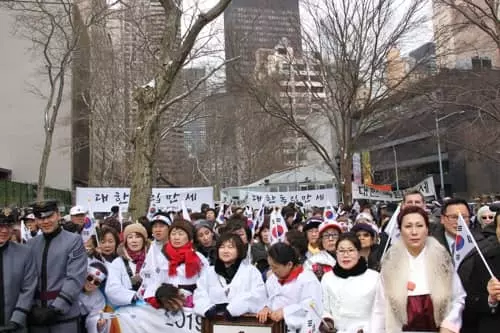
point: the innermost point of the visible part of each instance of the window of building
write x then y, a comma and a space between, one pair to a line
5, 174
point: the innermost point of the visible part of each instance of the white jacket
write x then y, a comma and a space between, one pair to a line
301, 300
349, 302
92, 305
118, 285
151, 272
161, 275
245, 294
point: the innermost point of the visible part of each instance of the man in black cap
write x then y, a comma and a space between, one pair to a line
62, 267
17, 277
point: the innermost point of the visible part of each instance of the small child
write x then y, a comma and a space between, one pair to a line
92, 301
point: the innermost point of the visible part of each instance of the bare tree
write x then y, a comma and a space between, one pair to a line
55, 29
350, 46
154, 98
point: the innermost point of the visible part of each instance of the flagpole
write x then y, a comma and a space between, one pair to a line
477, 248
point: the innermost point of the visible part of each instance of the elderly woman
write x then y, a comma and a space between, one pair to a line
419, 290
370, 250
324, 261
348, 290
485, 216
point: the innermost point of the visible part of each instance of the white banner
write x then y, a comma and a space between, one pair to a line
426, 187
308, 198
101, 199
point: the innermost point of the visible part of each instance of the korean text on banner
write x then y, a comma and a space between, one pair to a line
101, 199
426, 187
318, 198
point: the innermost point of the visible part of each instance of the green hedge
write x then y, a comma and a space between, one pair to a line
21, 194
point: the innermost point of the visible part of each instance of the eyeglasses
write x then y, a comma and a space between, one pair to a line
489, 217
347, 252
454, 217
94, 281
330, 236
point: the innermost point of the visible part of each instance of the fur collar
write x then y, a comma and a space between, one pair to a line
395, 270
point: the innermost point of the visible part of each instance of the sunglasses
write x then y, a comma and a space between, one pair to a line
94, 281
489, 217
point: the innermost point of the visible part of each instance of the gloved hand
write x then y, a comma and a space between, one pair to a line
43, 316
327, 326
10, 327
211, 313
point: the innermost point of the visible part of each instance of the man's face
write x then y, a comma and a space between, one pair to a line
5, 233
49, 224
414, 200
79, 219
210, 215
450, 218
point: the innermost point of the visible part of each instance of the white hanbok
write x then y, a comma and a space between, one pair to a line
91, 305
118, 285
300, 299
245, 294
349, 301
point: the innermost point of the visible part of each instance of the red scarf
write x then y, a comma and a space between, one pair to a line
182, 255
293, 275
137, 258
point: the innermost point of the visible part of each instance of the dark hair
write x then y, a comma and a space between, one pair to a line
351, 237
282, 254
265, 225
100, 266
454, 201
412, 192
298, 241
147, 225
113, 222
234, 224
197, 216
413, 210
236, 240
109, 230
115, 209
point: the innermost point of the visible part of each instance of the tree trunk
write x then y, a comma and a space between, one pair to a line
146, 140
346, 178
42, 172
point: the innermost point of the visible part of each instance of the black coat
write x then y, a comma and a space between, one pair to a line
478, 317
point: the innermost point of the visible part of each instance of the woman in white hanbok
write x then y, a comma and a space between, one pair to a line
179, 269
295, 294
348, 290
91, 299
231, 287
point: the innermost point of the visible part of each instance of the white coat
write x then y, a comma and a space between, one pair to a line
162, 276
118, 285
151, 272
245, 294
301, 300
91, 304
349, 302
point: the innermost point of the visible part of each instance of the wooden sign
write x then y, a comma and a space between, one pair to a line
243, 324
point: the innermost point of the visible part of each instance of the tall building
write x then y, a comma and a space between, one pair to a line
460, 44
250, 25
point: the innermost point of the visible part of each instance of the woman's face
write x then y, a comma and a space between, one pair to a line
281, 271
414, 232
365, 238
160, 231
312, 235
264, 236
228, 253
347, 254
108, 244
91, 283
243, 235
135, 242
178, 238
329, 239
205, 237
487, 217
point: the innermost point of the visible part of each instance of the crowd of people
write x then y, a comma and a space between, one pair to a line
328, 275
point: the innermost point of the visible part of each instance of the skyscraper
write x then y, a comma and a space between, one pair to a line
250, 25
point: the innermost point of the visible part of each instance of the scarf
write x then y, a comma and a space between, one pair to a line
313, 250
137, 258
182, 255
358, 269
293, 275
227, 273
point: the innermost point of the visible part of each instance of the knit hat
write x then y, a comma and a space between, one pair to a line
369, 228
183, 225
137, 228
203, 224
312, 223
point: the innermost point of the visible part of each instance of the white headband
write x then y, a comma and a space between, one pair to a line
162, 218
96, 273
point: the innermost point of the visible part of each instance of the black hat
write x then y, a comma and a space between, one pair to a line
44, 209
312, 223
8, 216
161, 217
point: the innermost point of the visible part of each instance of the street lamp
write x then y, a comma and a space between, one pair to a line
440, 158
